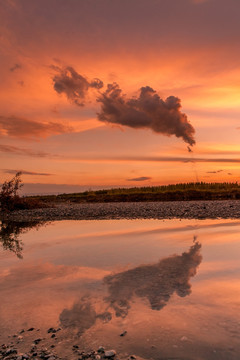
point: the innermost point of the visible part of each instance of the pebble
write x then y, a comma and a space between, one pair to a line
37, 341
201, 209
109, 353
52, 330
11, 351
123, 333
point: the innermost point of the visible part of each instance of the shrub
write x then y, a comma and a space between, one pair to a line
9, 193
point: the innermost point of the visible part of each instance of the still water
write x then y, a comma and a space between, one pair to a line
172, 287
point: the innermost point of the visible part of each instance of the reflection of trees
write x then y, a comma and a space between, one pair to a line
156, 282
10, 232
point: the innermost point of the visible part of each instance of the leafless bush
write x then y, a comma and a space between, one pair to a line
9, 196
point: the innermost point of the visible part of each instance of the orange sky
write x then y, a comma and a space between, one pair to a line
181, 48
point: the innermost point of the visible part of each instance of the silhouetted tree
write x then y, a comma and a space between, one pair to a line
9, 193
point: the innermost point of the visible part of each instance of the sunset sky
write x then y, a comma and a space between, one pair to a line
103, 93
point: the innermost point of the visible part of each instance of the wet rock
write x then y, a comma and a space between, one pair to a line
84, 355
10, 352
37, 341
51, 330
25, 356
123, 333
109, 353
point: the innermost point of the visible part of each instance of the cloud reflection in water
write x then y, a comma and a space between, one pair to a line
155, 282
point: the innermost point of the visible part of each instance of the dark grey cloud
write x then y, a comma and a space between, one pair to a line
214, 172
15, 67
160, 159
25, 172
147, 111
75, 86
141, 178
22, 151
15, 126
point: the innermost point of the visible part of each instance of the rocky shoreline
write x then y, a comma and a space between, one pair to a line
224, 209
27, 345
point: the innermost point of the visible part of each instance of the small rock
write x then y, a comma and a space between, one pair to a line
101, 349
133, 357
33, 349
98, 357
22, 331
25, 356
53, 335
11, 351
20, 337
109, 353
52, 330
184, 338
123, 333
30, 329
75, 347
37, 341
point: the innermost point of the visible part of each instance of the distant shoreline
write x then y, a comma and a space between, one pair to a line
207, 209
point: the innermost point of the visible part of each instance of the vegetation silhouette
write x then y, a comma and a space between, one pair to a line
10, 234
10, 199
172, 192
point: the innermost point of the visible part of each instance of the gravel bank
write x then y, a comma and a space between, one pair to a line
225, 209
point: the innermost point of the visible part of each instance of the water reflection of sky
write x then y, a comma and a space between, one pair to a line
170, 292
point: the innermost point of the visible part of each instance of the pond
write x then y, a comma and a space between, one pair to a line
159, 289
